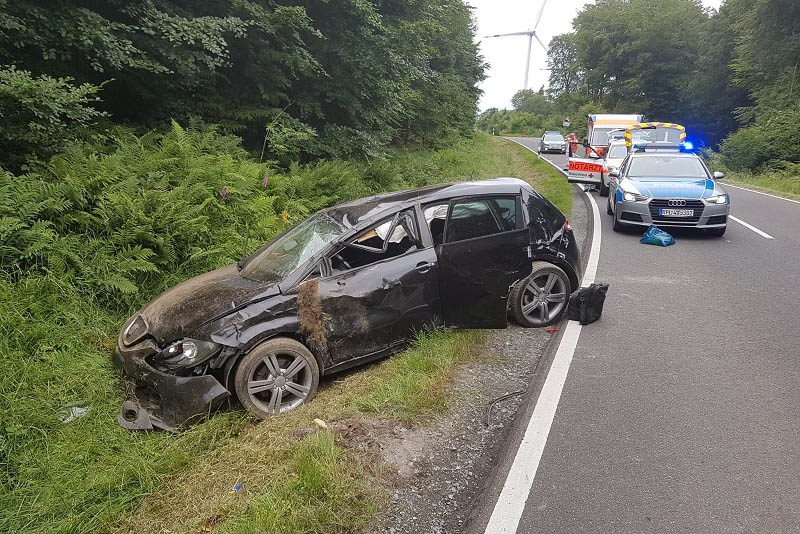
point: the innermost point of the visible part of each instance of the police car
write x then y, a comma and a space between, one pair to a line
668, 186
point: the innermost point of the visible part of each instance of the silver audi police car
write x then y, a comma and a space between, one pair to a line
668, 187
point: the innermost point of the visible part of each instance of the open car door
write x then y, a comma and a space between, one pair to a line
486, 250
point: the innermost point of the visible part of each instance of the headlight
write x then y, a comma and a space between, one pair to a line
633, 197
717, 199
135, 331
186, 353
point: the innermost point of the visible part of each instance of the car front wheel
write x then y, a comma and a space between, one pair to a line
277, 376
541, 298
617, 226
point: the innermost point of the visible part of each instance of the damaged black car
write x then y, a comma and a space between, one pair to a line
347, 286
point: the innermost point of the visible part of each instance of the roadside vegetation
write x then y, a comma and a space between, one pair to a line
141, 144
89, 238
730, 76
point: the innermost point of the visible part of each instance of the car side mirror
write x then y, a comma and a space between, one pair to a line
719, 175
613, 174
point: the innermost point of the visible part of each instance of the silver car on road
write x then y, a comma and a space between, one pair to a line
668, 187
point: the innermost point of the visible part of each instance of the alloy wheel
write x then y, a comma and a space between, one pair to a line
279, 382
544, 298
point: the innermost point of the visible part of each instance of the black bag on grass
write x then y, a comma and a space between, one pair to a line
586, 304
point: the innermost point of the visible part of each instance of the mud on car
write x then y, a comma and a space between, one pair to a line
348, 285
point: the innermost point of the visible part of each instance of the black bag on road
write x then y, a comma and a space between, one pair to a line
586, 304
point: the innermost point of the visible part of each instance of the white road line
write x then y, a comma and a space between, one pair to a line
751, 227
762, 193
508, 510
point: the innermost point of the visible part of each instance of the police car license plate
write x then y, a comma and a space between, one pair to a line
675, 213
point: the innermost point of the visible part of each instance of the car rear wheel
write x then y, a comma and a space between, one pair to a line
541, 298
277, 376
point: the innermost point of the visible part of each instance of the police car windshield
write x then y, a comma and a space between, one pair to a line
666, 167
553, 137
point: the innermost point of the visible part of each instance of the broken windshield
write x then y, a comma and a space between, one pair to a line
289, 251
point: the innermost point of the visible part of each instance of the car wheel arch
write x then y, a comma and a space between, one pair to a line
563, 265
323, 361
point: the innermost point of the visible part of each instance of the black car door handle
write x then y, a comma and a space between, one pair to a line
423, 267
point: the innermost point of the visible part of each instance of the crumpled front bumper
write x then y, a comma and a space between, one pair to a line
163, 400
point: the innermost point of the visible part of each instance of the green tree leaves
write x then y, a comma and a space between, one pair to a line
358, 74
40, 114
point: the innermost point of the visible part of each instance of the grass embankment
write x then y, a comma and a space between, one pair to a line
775, 182
89, 240
777, 177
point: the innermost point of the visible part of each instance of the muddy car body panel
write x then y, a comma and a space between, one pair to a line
370, 273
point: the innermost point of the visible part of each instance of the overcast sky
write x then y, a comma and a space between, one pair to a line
506, 55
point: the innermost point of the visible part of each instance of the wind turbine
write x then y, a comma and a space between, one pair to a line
531, 36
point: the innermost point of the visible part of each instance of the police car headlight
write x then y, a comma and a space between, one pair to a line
717, 199
633, 197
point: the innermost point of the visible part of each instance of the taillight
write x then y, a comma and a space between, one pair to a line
567, 227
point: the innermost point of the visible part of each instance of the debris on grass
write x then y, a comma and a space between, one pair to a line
320, 423
72, 413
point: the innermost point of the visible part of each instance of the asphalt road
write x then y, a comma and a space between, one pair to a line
681, 409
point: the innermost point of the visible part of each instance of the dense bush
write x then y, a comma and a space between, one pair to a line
41, 114
768, 142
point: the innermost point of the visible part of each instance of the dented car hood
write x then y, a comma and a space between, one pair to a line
184, 309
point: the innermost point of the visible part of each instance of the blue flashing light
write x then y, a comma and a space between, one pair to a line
688, 145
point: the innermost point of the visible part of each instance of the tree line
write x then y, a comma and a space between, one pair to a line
295, 79
729, 75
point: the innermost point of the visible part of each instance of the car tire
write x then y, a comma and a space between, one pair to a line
545, 294
276, 376
717, 232
617, 226
608, 207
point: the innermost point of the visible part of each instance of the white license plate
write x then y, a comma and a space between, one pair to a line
675, 213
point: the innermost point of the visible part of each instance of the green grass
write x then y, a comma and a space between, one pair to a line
319, 492
59, 320
775, 182
415, 381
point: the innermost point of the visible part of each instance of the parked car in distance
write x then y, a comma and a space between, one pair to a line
552, 141
348, 285
612, 160
668, 187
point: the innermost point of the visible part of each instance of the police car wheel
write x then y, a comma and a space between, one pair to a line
603, 189
608, 207
617, 226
